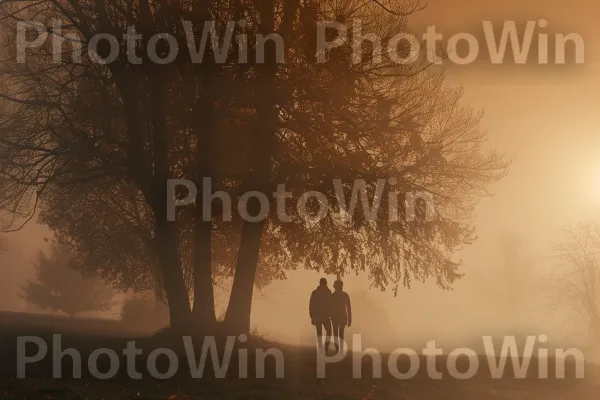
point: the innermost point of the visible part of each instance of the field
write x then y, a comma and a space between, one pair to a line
299, 382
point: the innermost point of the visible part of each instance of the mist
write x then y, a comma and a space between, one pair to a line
539, 120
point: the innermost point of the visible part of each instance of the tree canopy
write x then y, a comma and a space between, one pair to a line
96, 143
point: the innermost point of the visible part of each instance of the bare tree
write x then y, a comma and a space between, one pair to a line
575, 285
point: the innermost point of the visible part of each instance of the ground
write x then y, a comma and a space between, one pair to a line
299, 382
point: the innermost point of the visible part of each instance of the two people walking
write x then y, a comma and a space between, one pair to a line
331, 312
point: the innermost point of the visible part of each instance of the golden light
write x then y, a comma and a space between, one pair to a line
597, 178
595, 184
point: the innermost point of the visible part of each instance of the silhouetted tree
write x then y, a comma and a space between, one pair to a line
119, 131
58, 286
112, 228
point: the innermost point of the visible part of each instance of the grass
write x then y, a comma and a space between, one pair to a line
300, 380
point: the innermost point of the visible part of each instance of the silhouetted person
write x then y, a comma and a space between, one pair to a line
320, 312
341, 313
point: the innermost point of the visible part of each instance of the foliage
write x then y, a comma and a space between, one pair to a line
59, 286
96, 143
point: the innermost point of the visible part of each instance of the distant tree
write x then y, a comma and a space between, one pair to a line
575, 284
59, 286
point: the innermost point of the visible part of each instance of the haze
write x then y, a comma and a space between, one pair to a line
545, 117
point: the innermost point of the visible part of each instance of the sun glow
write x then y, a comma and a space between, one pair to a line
595, 185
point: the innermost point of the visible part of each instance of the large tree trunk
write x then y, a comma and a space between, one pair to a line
160, 312
204, 298
167, 238
167, 233
204, 117
237, 318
